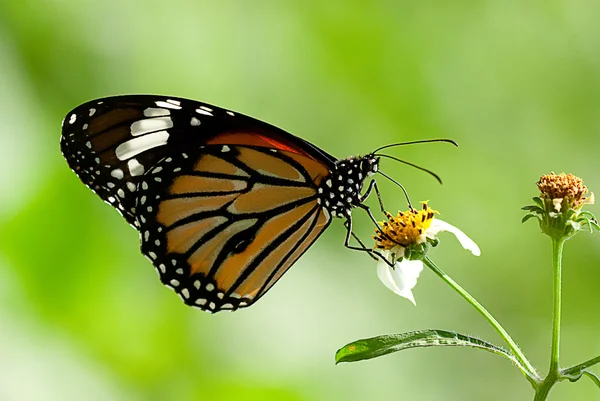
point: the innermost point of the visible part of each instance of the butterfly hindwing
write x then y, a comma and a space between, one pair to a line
223, 223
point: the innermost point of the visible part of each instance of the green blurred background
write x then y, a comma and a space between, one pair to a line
516, 83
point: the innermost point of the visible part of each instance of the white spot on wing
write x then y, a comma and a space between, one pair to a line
135, 146
92, 111
117, 173
142, 127
194, 122
156, 112
205, 112
167, 105
230, 113
73, 118
135, 168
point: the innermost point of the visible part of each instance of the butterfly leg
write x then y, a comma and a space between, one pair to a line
373, 186
363, 248
349, 232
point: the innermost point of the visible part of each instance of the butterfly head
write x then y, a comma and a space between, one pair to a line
369, 165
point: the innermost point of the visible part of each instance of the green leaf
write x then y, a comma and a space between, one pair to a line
588, 214
529, 216
532, 208
538, 201
386, 344
593, 377
574, 373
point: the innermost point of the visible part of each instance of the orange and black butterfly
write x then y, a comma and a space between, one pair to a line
224, 204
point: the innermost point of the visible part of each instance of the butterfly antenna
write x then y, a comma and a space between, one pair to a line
415, 142
400, 185
434, 175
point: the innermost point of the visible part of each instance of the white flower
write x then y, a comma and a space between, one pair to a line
402, 278
438, 226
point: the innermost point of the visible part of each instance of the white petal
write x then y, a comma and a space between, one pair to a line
402, 278
438, 225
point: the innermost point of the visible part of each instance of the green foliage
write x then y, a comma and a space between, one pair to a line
515, 84
387, 344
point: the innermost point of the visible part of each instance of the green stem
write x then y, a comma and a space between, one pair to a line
542, 391
554, 371
557, 250
578, 368
531, 373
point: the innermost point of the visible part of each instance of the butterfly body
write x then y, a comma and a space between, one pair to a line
224, 203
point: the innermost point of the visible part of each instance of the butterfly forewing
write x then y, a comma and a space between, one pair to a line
110, 143
222, 223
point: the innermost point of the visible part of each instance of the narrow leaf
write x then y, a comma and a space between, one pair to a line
538, 201
593, 377
532, 208
574, 372
529, 216
383, 345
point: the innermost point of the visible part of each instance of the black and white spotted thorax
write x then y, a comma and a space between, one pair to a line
341, 190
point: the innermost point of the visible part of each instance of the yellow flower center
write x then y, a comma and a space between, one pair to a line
404, 229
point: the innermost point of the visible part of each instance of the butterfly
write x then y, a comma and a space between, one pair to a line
224, 204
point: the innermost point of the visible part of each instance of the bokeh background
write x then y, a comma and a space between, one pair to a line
517, 84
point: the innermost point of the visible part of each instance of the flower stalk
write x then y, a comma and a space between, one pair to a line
558, 210
557, 250
554, 370
526, 366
